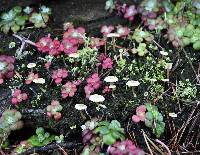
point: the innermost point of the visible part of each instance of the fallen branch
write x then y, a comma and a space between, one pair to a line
68, 145
165, 146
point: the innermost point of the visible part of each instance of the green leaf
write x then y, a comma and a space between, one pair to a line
148, 123
117, 135
5, 29
160, 117
102, 130
86, 151
40, 130
149, 116
20, 20
148, 106
186, 41
114, 124
196, 45
15, 28
108, 139
17, 9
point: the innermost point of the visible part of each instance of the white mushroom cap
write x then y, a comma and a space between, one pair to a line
173, 114
96, 98
152, 80
112, 86
111, 79
165, 80
132, 83
80, 107
168, 66
103, 106
112, 35
163, 53
39, 80
31, 65
73, 55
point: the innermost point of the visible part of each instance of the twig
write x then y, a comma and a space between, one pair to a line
69, 145
1, 152
24, 41
165, 146
144, 135
64, 152
154, 145
187, 122
190, 62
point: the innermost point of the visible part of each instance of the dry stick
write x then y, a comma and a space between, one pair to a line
186, 124
198, 72
2, 153
190, 62
198, 137
154, 145
165, 146
64, 152
147, 143
191, 128
158, 45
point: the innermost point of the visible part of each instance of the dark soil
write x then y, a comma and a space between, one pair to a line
91, 14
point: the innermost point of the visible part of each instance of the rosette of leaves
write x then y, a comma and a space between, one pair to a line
40, 19
9, 121
154, 120
110, 5
22, 147
59, 139
13, 20
139, 36
41, 138
188, 35
196, 4
140, 50
150, 5
110, 131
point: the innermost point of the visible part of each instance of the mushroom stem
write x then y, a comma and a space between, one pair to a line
133, 90
168, 73
82, 115
113, 95
88, 114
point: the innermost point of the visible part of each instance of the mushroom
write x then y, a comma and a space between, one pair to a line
174, 115
97, 99
73, 55
110, 35
168, 67
31, 65
163, 53
111, 80
133, 84
165, 80
39, 80
112, 87
81, 107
